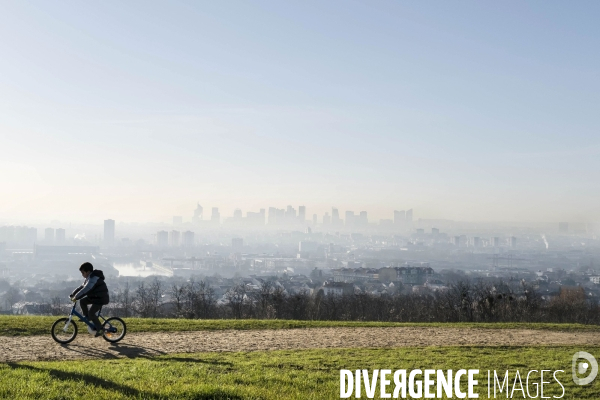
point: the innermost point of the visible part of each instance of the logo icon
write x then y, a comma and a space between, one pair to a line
581, 367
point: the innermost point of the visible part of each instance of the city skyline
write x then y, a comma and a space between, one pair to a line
324, 216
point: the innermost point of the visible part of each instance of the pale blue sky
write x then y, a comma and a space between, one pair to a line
461, 110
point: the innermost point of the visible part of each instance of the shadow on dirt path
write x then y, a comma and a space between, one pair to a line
148, 345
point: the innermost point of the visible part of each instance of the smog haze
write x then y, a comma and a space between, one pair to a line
136, 111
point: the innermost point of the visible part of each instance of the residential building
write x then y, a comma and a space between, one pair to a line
188, 239
162, 239
337, 288
355, 274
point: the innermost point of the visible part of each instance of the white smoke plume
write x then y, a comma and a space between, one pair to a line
545, 241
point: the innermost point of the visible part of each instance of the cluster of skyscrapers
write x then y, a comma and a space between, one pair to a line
290, 217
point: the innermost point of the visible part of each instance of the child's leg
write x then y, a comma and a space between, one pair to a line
93, 317
84, 306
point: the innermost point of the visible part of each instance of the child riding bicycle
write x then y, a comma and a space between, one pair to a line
93, 291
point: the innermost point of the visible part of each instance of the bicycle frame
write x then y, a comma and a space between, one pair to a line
85, 320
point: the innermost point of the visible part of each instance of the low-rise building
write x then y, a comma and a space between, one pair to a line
408, 275
337, 288
31, 308
355, 274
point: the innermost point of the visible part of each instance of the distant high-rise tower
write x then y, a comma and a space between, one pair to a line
49, 235
215, 217
409, 215
314, 219
513, 242
290, 214
349, 219
364, 220
272, 217
326, 219
302, 213
188, 239
197, 214
496, 241
237, 214
399, 217
60, 236
109, 232
335, 217
457, 240
162, 239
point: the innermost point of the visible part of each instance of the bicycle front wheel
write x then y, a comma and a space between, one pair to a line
64, 331
114, 329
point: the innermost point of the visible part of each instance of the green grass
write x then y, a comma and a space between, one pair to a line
34, 325
305, 374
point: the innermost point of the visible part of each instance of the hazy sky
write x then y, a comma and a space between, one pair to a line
137, 110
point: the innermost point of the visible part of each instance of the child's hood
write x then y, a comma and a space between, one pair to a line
98, 273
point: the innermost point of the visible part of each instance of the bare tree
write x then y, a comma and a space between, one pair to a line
477, 301
13, 295
236, 297
202, 300
265, 309
56, 305
179, 295
148, 299
156, 293
124, 301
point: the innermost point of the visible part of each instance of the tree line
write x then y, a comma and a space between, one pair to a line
462, 302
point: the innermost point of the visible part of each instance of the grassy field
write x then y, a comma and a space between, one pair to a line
307, 374
32, 325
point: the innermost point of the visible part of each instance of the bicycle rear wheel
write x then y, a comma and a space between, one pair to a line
114, 329
64, 331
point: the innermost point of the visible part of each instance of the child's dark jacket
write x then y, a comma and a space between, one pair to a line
94, 288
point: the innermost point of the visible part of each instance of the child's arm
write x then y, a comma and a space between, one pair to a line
76, 291
89, 284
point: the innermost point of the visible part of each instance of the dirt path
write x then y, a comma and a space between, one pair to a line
152, 344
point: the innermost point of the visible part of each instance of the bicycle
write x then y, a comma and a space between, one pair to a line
64, 330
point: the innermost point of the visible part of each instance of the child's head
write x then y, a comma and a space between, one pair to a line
86, 269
